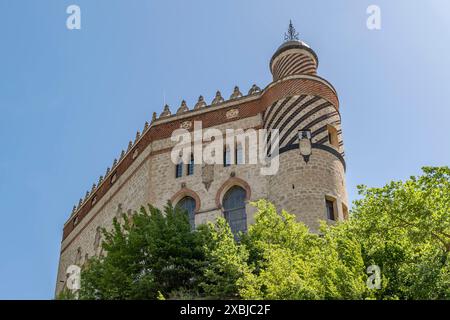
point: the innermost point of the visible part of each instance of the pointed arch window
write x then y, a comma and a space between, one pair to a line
179, 168
188, 204
234, 210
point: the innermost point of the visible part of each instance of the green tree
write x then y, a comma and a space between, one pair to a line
150, 255
226, 262
404, 228
289, 262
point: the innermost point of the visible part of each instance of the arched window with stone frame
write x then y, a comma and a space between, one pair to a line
233, 204
188, 204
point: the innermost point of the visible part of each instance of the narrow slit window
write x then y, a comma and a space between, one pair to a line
227, 157
190, 166
333, 136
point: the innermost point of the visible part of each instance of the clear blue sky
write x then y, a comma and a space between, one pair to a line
71, 100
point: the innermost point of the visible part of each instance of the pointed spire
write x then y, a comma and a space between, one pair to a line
114, 163
218, 98
130, 144
80, 202
107, 171
122, 154
166, 112
138, 135
93, 187
183, 107
154, 116
100, 180
254, 89
146, 126
200, 103
74, 209
291, 34
236, 93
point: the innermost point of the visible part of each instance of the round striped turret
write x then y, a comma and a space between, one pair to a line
293, 57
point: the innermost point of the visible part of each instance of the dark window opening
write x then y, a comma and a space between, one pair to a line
330, 210
227, 157
188, 204
190, 166
179, 170
234, 210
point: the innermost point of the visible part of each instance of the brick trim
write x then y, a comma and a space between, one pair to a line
186, 192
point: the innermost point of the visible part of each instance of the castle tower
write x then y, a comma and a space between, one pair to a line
313, 188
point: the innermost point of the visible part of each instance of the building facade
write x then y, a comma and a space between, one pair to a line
312, 188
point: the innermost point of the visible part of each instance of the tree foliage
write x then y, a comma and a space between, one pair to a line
403, 227
150, 255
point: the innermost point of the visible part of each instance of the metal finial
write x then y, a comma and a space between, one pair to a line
291, 34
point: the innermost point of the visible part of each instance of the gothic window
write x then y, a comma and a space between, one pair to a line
190, 166
188, 204
179, 169
234, 210
239, 154
331, 212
